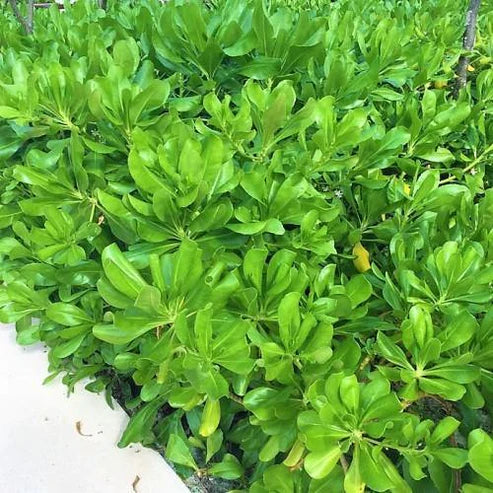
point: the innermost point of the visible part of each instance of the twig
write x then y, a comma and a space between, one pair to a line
78, 427
45, 5
135, 483
445, 405
467, 44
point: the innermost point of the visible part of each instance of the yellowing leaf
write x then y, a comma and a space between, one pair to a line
362, 257
440, 84
295, 454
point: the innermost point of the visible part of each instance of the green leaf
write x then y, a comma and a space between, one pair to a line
458, 331
387, 467
455, 458
371, 471
67, 348
206, 378
133, 328
319, 464
471, 488
333, 482
440, 155
214, 443
213, 217
144, 177
8, 214
253, 266
211, 416
280, 103
358, 289
444, 429
66, 314
178, 452
353, 482
391, 351
121, 273
203, 331
229, 468
383, 407
153, 97
278, 478
126, 55
112, 296
349, 393
481, 453
273, 226
187, 267
455, 373
448, 390
349, 129
9, 113
289, 318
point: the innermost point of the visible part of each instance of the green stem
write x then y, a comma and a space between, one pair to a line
471, 165
93, 209
389, 445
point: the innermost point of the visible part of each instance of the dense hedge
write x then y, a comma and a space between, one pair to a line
266, 230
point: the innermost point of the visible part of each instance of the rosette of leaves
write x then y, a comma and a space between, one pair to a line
363, 421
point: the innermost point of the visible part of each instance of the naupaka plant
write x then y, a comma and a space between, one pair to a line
264, 229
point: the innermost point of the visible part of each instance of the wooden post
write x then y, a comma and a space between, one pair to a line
467, 44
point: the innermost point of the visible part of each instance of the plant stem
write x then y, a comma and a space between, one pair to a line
467, 44
30, 16
387, 445
19, 16
457, 472
471, 165
344, 464
236, 398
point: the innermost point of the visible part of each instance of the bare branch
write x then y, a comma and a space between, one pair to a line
467, 44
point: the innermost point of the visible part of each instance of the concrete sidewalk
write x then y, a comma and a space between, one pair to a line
41, 450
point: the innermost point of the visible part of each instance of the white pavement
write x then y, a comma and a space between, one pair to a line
41, 450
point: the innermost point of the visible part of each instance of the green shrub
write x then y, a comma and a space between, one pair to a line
266, 231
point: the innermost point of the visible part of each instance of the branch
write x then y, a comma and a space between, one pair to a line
30, 16
19, 16
467, 45
45, 5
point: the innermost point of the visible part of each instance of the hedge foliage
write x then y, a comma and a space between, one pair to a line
266, 229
